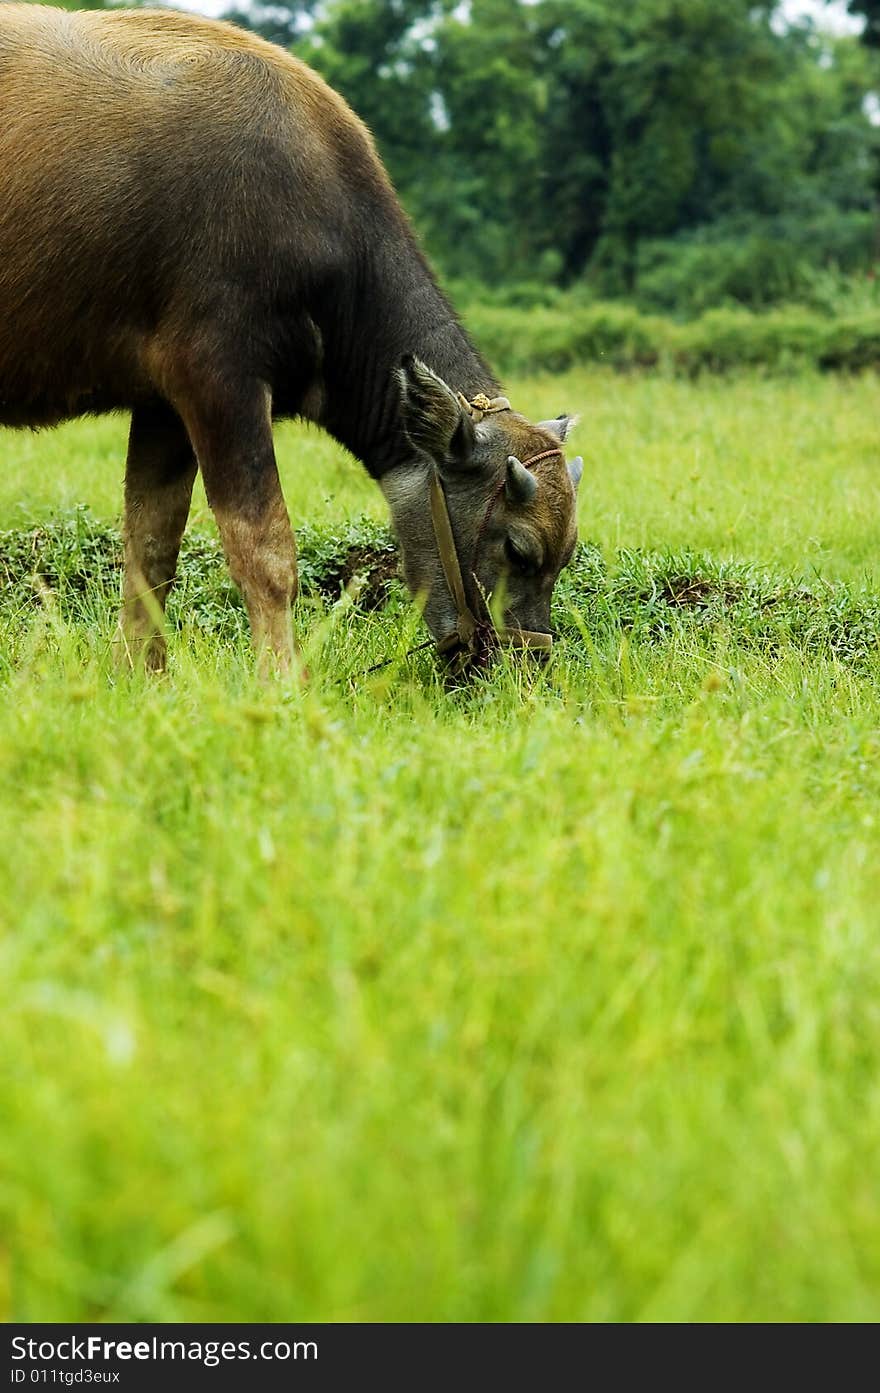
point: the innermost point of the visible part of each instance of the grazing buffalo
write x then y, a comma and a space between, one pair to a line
195, 228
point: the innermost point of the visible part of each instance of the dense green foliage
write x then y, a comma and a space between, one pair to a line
684, 152
555, 998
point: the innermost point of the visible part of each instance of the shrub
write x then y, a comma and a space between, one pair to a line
553, 339
754, 265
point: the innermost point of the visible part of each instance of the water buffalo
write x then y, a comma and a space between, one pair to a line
195, 228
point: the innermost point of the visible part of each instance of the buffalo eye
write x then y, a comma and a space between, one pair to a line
519, 559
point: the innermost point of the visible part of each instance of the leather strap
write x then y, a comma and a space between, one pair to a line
467, 622
469, 631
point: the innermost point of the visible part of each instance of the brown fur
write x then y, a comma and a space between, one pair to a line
194, 227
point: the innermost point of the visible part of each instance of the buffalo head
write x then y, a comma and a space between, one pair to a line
513, 516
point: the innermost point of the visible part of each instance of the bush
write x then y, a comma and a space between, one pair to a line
724, 339
553, 339
852, 342
775, 262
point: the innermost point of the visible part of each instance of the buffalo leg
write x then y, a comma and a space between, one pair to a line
237, 458
159, 474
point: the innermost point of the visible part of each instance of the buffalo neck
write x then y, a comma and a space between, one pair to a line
391, 306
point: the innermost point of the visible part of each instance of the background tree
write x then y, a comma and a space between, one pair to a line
581, 141
869, 10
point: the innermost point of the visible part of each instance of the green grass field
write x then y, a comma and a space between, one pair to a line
557, 998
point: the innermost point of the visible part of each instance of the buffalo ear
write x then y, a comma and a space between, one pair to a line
560, 428
434, 419
575, 470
